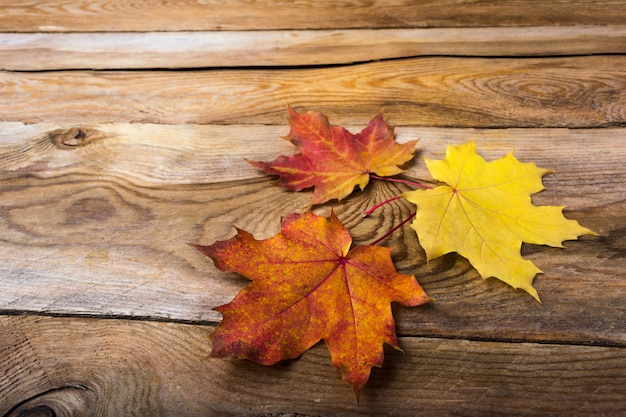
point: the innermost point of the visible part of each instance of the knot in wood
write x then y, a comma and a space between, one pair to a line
75, 137
38, 411
73, 400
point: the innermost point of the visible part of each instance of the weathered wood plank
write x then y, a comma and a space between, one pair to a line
101, 367
106, 15
453, 92
101, 219
54, 51
153, 154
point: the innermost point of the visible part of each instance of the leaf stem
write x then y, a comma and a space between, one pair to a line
408, 182
396, 227
389, 200
382, 203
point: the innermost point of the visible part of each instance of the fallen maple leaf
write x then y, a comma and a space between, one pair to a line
333, 160
485, 212
307, 286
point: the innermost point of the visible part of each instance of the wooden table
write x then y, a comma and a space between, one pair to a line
123, 132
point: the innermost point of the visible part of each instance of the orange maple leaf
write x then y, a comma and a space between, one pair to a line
333, 160
309, 285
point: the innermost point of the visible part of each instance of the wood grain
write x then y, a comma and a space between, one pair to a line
95, 367
123, 132
107, 15
54, 51
453, 92
101, 217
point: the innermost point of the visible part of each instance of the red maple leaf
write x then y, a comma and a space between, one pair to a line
333, 160
308, 285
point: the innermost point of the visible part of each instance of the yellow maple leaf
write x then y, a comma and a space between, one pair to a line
485, 212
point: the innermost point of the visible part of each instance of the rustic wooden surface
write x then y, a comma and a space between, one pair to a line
123, 133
